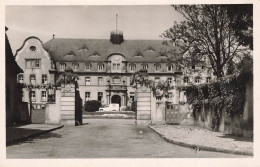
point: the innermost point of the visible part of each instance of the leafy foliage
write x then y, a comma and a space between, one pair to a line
207, 36
92, 105
242, 24
142, 78
227, 93
67, 78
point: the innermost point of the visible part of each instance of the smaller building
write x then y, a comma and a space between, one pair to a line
13, 93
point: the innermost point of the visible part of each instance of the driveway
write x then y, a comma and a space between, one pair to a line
104, 138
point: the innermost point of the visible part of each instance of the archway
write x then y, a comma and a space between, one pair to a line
116, 99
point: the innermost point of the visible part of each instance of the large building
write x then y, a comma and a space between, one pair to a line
104, 66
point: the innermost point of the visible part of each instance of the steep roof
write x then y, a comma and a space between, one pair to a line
11, 64
99, 49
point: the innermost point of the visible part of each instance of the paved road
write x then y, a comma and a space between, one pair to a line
103, 138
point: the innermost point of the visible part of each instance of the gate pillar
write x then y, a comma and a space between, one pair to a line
68, 104
143, 105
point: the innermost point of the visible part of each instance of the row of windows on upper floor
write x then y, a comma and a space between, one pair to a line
157, 79
32, 95
115, 66
36, 63
32, 79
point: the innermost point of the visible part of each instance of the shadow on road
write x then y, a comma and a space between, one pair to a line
34, 139
236, 138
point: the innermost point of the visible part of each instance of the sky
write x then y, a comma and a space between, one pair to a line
89, 22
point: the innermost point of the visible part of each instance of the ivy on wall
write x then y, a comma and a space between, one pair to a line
142, 78
227, 93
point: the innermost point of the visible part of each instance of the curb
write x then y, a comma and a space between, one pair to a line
205, 148
32, 135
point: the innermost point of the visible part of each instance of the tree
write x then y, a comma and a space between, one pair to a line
242, 22
207, 37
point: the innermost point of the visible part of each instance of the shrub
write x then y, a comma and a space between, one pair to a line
92, 105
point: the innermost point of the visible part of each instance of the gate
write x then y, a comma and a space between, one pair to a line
172, 113
38, 113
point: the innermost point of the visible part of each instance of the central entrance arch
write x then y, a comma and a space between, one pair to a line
116, 99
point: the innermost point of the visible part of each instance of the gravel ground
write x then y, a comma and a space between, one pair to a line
205, 138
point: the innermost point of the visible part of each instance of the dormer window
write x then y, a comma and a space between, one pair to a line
100, 67
75, 66
197, 79
88, 67
208, 79
186, 79
157, 67
132, 67
62, 66
145, 66
169, 68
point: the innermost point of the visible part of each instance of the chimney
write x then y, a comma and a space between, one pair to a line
116, 37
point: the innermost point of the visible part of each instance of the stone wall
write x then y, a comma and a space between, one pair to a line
241, 125
157, 110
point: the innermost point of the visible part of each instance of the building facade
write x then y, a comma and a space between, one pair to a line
38, 72
104, 66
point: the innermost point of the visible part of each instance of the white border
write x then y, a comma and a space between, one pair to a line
191, 162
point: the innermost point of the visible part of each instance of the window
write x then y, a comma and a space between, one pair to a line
33, 48
169, 68
100, 80
87, 80
33, 63
62, 66
169, 96
145, 66
52, 65
169, 80
20, 78
33, 97
75, 66
88, 67
116, 66
186, 79
44, 79
208, 79
157, 67
197, 80
100, 67
44, 96
158, 98
156, 80
37, 63
32, 79
132, 96
132, 67
87, 96
100, 96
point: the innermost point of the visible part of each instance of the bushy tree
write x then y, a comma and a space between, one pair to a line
207, 37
